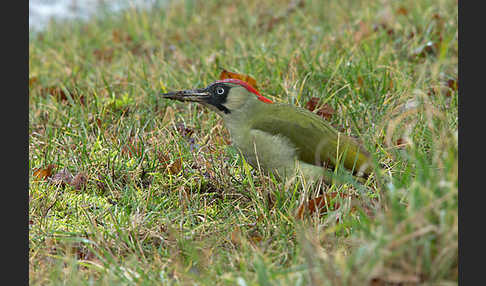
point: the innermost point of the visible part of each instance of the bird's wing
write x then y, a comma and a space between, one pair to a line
315, 140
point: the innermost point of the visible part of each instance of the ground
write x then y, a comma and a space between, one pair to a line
142, 190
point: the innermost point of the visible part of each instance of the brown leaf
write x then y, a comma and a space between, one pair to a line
377, 282
55, 91
83, 253
401, 142
163, 159
312, 103
395, 278
236, 236
79, 181
360, 81
60, 95
138, 49
62, 178
175, 167
246, 78
326, 111
255, 237
318, 204
100, 183
443, 90
424, 50
81, 99
104, 54
43, 173
436, 16
402, 11
385, 27
452, 84
120, 36
32, 81
183, 130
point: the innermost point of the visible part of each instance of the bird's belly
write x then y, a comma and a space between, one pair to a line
267, 151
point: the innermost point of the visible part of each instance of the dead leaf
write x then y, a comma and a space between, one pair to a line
104, 54
395, 278
402, 11
64, 177
385, 27
377, 282
79, 181
255, 237
175, 167
236, 236
401, 142
163, 159
120, 36
55, 91
83, 253
425, 50
138, 49
312, 103
318, 204
32, 81
246, 78
326, 111
453, 84
100, 183
43, 173
58, 93
443, 90
360, 81
183, 130
145, 179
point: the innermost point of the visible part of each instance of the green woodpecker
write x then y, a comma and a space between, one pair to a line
279, 138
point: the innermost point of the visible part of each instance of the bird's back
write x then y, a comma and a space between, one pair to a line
315, 140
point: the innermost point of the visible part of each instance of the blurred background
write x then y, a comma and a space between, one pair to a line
43, 11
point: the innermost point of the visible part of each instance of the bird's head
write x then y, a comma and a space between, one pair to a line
223, 96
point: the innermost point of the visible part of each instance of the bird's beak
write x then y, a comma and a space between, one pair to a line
196, 95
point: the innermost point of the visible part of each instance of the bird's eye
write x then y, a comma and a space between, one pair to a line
220, 90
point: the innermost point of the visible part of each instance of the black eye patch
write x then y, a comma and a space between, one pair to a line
219, 93
220, 90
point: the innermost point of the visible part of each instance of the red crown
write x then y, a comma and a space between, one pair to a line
248, 87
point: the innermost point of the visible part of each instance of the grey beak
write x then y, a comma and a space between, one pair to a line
196, 95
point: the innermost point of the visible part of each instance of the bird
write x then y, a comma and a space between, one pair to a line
278, 138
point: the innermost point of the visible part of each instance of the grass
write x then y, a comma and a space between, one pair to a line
168, 201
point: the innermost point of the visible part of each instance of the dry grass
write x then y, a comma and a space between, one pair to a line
167, 200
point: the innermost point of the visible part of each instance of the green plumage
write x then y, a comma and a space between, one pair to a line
279, 138
312, 140
316, 140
